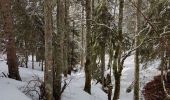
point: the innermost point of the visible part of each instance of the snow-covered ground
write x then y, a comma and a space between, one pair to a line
13, 90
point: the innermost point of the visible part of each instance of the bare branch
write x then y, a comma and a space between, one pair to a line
129, 53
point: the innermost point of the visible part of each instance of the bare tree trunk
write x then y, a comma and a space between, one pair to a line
26, 58
72, 50
87, 86
42, 65
117, 88
48, 74
117, 74
66, 38
58, 49
25, 54
137, 66
10, 45
102, 42
103, 63
82, 37
118, 64
32, 60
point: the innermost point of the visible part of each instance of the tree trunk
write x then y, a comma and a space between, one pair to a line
116, 74
137, 66
42, 65
87, 86
58, 48
26, 58
103, 63
25, 54
72, 50
117, 88
32, 60
66, 38
82, 37
10, 38
118, 65
48, 74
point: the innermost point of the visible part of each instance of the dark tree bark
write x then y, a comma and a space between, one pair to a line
10, 38
32, 60
42, 65
103, 62
66, 38
117, 88
87, 86
26, 58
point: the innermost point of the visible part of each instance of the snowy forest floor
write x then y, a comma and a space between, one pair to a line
20, 90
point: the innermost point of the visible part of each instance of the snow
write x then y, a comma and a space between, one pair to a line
75, 90
9, 90
13, 90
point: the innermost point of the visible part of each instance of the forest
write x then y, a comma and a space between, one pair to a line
84, 49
